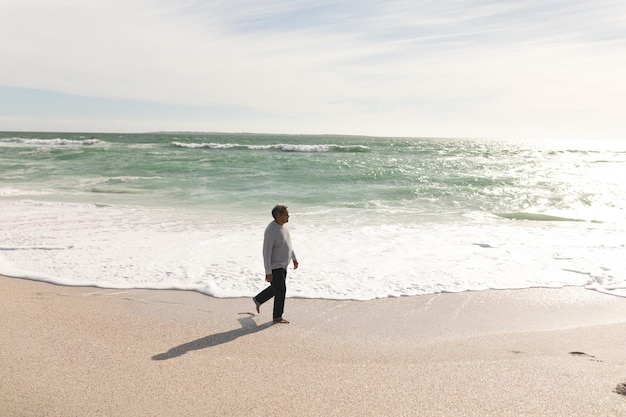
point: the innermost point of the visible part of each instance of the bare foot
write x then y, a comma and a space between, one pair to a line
281, 321
258, 306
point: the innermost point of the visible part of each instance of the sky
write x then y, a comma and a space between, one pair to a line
529, 69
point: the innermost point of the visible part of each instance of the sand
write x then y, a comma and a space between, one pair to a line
82, 351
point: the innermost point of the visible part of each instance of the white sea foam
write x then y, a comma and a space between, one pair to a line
14, 192
341, 257
286, 147
49, 142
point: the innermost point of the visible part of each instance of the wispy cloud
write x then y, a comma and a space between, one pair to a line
446, 68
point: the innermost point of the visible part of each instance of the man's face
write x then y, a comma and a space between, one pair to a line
283, 218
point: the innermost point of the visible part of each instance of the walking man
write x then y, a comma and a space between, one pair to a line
277, 253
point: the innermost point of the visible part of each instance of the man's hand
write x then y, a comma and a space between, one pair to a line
268, 277
295, 264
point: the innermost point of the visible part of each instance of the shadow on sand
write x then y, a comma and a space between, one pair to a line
248, 326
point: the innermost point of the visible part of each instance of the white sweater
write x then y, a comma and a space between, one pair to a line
277, 250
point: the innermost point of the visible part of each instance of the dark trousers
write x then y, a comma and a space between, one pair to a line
277, 289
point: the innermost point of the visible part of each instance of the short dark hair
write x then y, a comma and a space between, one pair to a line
278, 210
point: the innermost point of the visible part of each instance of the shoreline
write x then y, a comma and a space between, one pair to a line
91, 351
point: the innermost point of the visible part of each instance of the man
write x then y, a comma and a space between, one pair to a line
277, 253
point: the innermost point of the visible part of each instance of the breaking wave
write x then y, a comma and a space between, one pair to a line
278, 147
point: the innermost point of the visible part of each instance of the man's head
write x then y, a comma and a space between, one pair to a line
280, 214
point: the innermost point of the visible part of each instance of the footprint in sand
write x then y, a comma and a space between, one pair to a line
620, 389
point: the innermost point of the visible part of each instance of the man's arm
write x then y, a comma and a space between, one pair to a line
268, 244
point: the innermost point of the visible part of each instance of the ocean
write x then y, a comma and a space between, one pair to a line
371, 217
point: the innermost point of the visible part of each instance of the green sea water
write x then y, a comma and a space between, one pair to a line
415, 175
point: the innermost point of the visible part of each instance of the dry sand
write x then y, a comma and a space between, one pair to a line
95, 352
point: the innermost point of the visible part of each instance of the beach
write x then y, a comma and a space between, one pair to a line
85, 351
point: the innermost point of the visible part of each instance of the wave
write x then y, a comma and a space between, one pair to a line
536, 217
13, 192
50, 142
101, 190
125, 179
120, 185
279, 147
